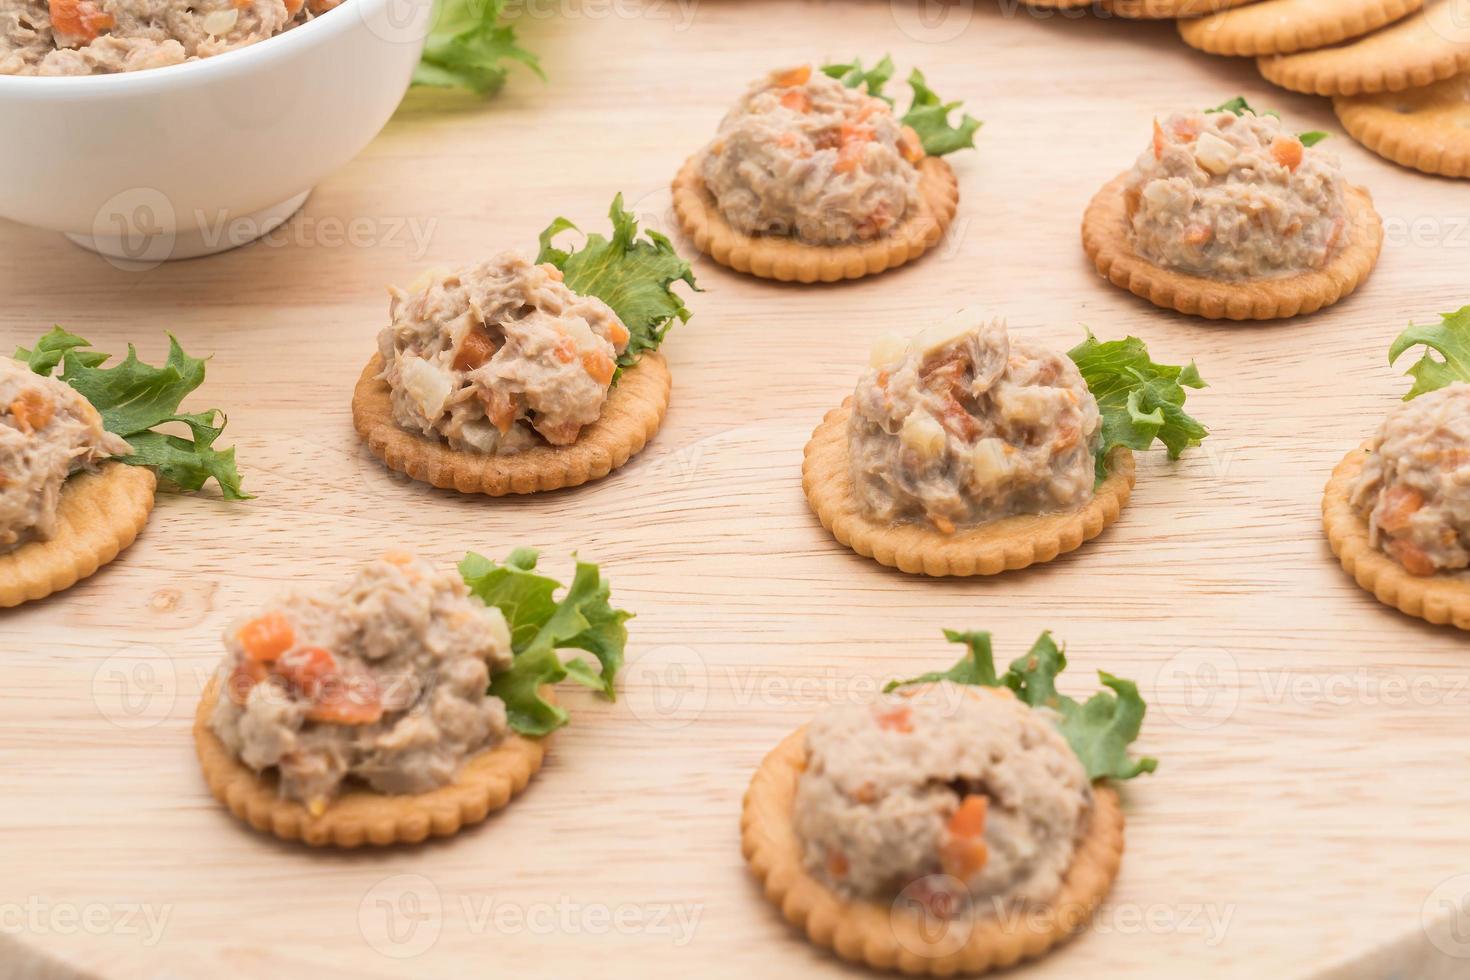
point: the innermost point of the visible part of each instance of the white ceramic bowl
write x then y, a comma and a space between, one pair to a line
197, 158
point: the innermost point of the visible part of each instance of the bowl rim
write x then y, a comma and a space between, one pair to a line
221, 67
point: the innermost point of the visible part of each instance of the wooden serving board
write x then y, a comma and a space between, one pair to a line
1310, 796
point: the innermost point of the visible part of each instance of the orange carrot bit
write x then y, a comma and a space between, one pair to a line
797, 100
618, 334
565, 350
77, 22
474, 351
599, 366
963, 852
837, 863
1411, 556
899, 719
849, 158
910, 147
968, 820
852, 132
1159, 141
1199, 235
267, 637
32, 410
1287, 151
1398, 505
793, 76
307, 669
500, 408
356, 703
293, 7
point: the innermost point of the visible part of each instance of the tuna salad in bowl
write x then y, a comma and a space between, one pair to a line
963, 821
970, 449
512, 376
1397, 509
154, 128
404, 703
1229, 215
814, 176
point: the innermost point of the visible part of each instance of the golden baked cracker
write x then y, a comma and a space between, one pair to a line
788, 260
633, 412
1105, 239
1167, 9
1419, 50
893, 938
1011, 543
486, 783
1285, 26
99, 515
1441, 599
1424, 128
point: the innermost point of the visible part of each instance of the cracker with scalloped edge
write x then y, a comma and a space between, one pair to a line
1167, 9
100, 514
1441, 599
633, 412
989, 549
1105, 239
789, 260
1424, 128
1429, 46
486, 782
893, 937
1286, 26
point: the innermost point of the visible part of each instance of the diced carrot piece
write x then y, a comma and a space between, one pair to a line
899, 719
910, 147
1159, 141
293, 7
1411, 556
968, 820
319, 7
851, 132
849, 158
618, 334
1186, 130
941, 523
357, 703
500, 408
267, 637
1199, 235
32, 410
243, 678
1287, 150
793, 76
565, 350
1067, 436
77, 22
474, 351
837, 864
797, 100
307, 669
599, 366
963, 852
1399, 503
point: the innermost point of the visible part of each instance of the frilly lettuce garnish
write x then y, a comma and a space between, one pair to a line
928, 114
540, 625
1239, 106
1450, 338
135, 398
467, 45
1140, 401
1099, 729
635, 277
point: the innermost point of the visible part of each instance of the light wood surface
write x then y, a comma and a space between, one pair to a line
1304, 816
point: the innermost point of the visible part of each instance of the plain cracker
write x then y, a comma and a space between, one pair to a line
889, 939
1286, 26
989, 549
1168, 9
1424, 128
1430, 46
1105, 239
1440, 599
788, 260
634, 410
486, 783
100, 514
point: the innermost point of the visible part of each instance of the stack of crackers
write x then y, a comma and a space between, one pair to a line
1397, 71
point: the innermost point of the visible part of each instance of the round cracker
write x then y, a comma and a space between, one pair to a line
1432, 45
1105, 239
890, 938
989, 549
1441, 599
1168, 9
634, 410
1286, 26
1424, 128
486, 783
100, 513
788, 260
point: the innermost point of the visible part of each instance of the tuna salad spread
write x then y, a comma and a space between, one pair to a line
94, 37
499, 357
1235, 197
383, 680
803, 155
47, 432
960, 796
967, 424
1414, 490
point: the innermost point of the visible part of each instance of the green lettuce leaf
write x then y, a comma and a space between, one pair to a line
1099, 730
135, 398
1239, 106
852, 74
632, 276
929, 117
1450, 338
540, 625
1140, 401
468, 46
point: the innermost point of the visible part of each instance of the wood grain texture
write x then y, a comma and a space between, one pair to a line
1308, 801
